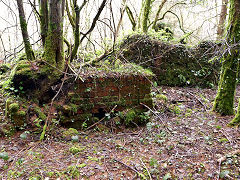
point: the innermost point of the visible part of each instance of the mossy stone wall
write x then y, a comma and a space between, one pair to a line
173, 64
88, 101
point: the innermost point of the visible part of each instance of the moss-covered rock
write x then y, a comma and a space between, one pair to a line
67, 134
13, 108
7, 129
34, 79
15, 113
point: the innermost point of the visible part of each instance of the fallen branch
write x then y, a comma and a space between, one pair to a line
53, 99
227, 136
152, 111
198, 100
222, 159
129, 167
179, 101
150, 177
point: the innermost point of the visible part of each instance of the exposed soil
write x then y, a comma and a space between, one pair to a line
190, 142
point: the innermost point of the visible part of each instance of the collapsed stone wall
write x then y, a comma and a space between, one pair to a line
173, 64
90, 100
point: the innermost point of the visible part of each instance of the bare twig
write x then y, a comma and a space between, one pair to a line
100, 120
150, 177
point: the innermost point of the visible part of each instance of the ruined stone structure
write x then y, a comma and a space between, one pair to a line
90, 100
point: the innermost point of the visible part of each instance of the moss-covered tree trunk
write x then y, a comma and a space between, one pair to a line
23, 24
224, 100
43, 9
146, 12
236, 26
54, 52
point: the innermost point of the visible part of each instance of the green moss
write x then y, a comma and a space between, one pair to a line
28, 47
31, 70
236, 119
175, 109
134, 117
70, 109
7, 129
8, 102
40, 113
70, 132
17, 117
130, 117
162, 97
52, 55
21, 113
224, 101
121, 68
76, 149
13, 108
146, 12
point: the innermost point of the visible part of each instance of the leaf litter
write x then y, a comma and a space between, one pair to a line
183, 140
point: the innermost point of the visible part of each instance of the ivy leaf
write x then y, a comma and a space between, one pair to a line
4, 156
23, 136
167, 176
224, 173
75, 138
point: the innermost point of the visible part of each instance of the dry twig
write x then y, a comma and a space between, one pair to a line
100, 120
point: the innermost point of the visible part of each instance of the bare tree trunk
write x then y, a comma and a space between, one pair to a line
222, 19
54, 42
122, 11
23, 24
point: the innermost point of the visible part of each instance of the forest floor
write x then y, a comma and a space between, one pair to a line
190, 142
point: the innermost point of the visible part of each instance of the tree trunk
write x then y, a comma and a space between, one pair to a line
158, 12
222, 19
236, 15
224, 100
54, 42
23, 24
43, 9
146, 12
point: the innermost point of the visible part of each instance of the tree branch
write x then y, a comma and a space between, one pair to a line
95, 20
